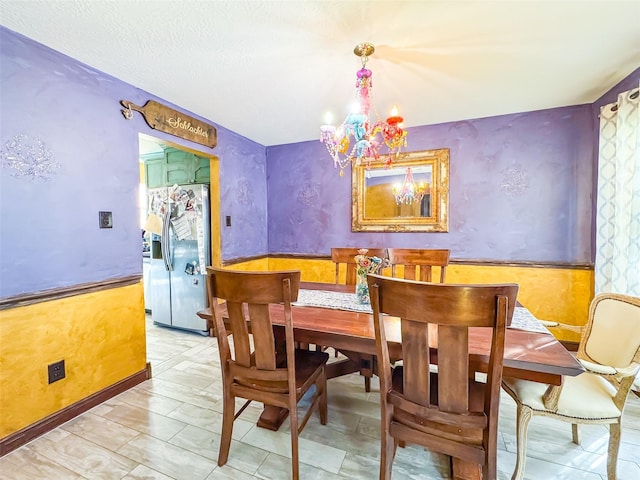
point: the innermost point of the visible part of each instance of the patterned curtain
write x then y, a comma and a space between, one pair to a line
617, 267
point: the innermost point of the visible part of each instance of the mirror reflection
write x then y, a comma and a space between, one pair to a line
410, 195
408, 187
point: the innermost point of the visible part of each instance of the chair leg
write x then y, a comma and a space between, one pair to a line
614, 445
321, 389
575, 433
293, 421
490, 468
367, 368
228, 414
388, 447
523, 418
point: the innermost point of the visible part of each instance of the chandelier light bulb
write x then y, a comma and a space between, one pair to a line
328, 118
395, 119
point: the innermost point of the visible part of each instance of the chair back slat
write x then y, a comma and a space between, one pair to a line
453, 368
346, 257
409, 272
418, 263
240, 333
415, 354
263, 340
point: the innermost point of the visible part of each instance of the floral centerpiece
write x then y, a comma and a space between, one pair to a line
364, 266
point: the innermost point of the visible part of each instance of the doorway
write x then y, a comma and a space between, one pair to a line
152, 150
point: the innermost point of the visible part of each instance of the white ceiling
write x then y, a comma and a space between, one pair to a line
270, 70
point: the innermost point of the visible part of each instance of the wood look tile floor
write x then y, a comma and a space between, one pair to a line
169, 428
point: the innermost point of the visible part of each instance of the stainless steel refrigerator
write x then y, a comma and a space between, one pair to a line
180, 252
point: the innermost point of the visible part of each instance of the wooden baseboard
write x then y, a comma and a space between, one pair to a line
25, 299
453, 261
21, 437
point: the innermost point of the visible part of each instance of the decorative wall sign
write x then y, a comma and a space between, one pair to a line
168, 120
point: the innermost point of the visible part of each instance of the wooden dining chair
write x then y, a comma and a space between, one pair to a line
255, 371
447, 411
344, 259
609, 351
419, 263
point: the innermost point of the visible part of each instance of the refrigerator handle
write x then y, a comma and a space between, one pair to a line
165, 240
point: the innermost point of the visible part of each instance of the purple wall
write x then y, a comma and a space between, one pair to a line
49, 229
521, 185
520, 190
243, 196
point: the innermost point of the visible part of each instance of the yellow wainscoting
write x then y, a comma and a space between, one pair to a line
557, 294
312, 270
100, 336
258, 265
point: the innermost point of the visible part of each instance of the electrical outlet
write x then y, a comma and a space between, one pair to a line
56, 371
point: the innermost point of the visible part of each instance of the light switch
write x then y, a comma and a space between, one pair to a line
105, 219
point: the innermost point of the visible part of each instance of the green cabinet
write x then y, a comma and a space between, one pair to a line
154, 173
201, 170
176, 167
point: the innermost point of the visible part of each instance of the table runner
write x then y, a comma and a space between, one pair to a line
333, 300
523, 319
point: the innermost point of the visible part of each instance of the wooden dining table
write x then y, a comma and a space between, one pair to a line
530, 355
535, 356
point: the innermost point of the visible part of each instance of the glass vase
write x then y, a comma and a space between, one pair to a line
362, 289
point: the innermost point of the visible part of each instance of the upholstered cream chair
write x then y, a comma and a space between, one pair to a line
610, 353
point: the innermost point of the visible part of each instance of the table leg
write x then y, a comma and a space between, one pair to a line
272, 417
465, 471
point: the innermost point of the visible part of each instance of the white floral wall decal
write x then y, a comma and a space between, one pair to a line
26, 156
514, 181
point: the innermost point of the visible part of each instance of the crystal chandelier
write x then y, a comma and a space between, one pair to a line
410, 191
368, 136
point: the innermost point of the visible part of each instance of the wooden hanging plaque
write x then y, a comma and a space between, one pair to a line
168, 120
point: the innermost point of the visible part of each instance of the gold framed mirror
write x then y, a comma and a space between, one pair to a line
376, 193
